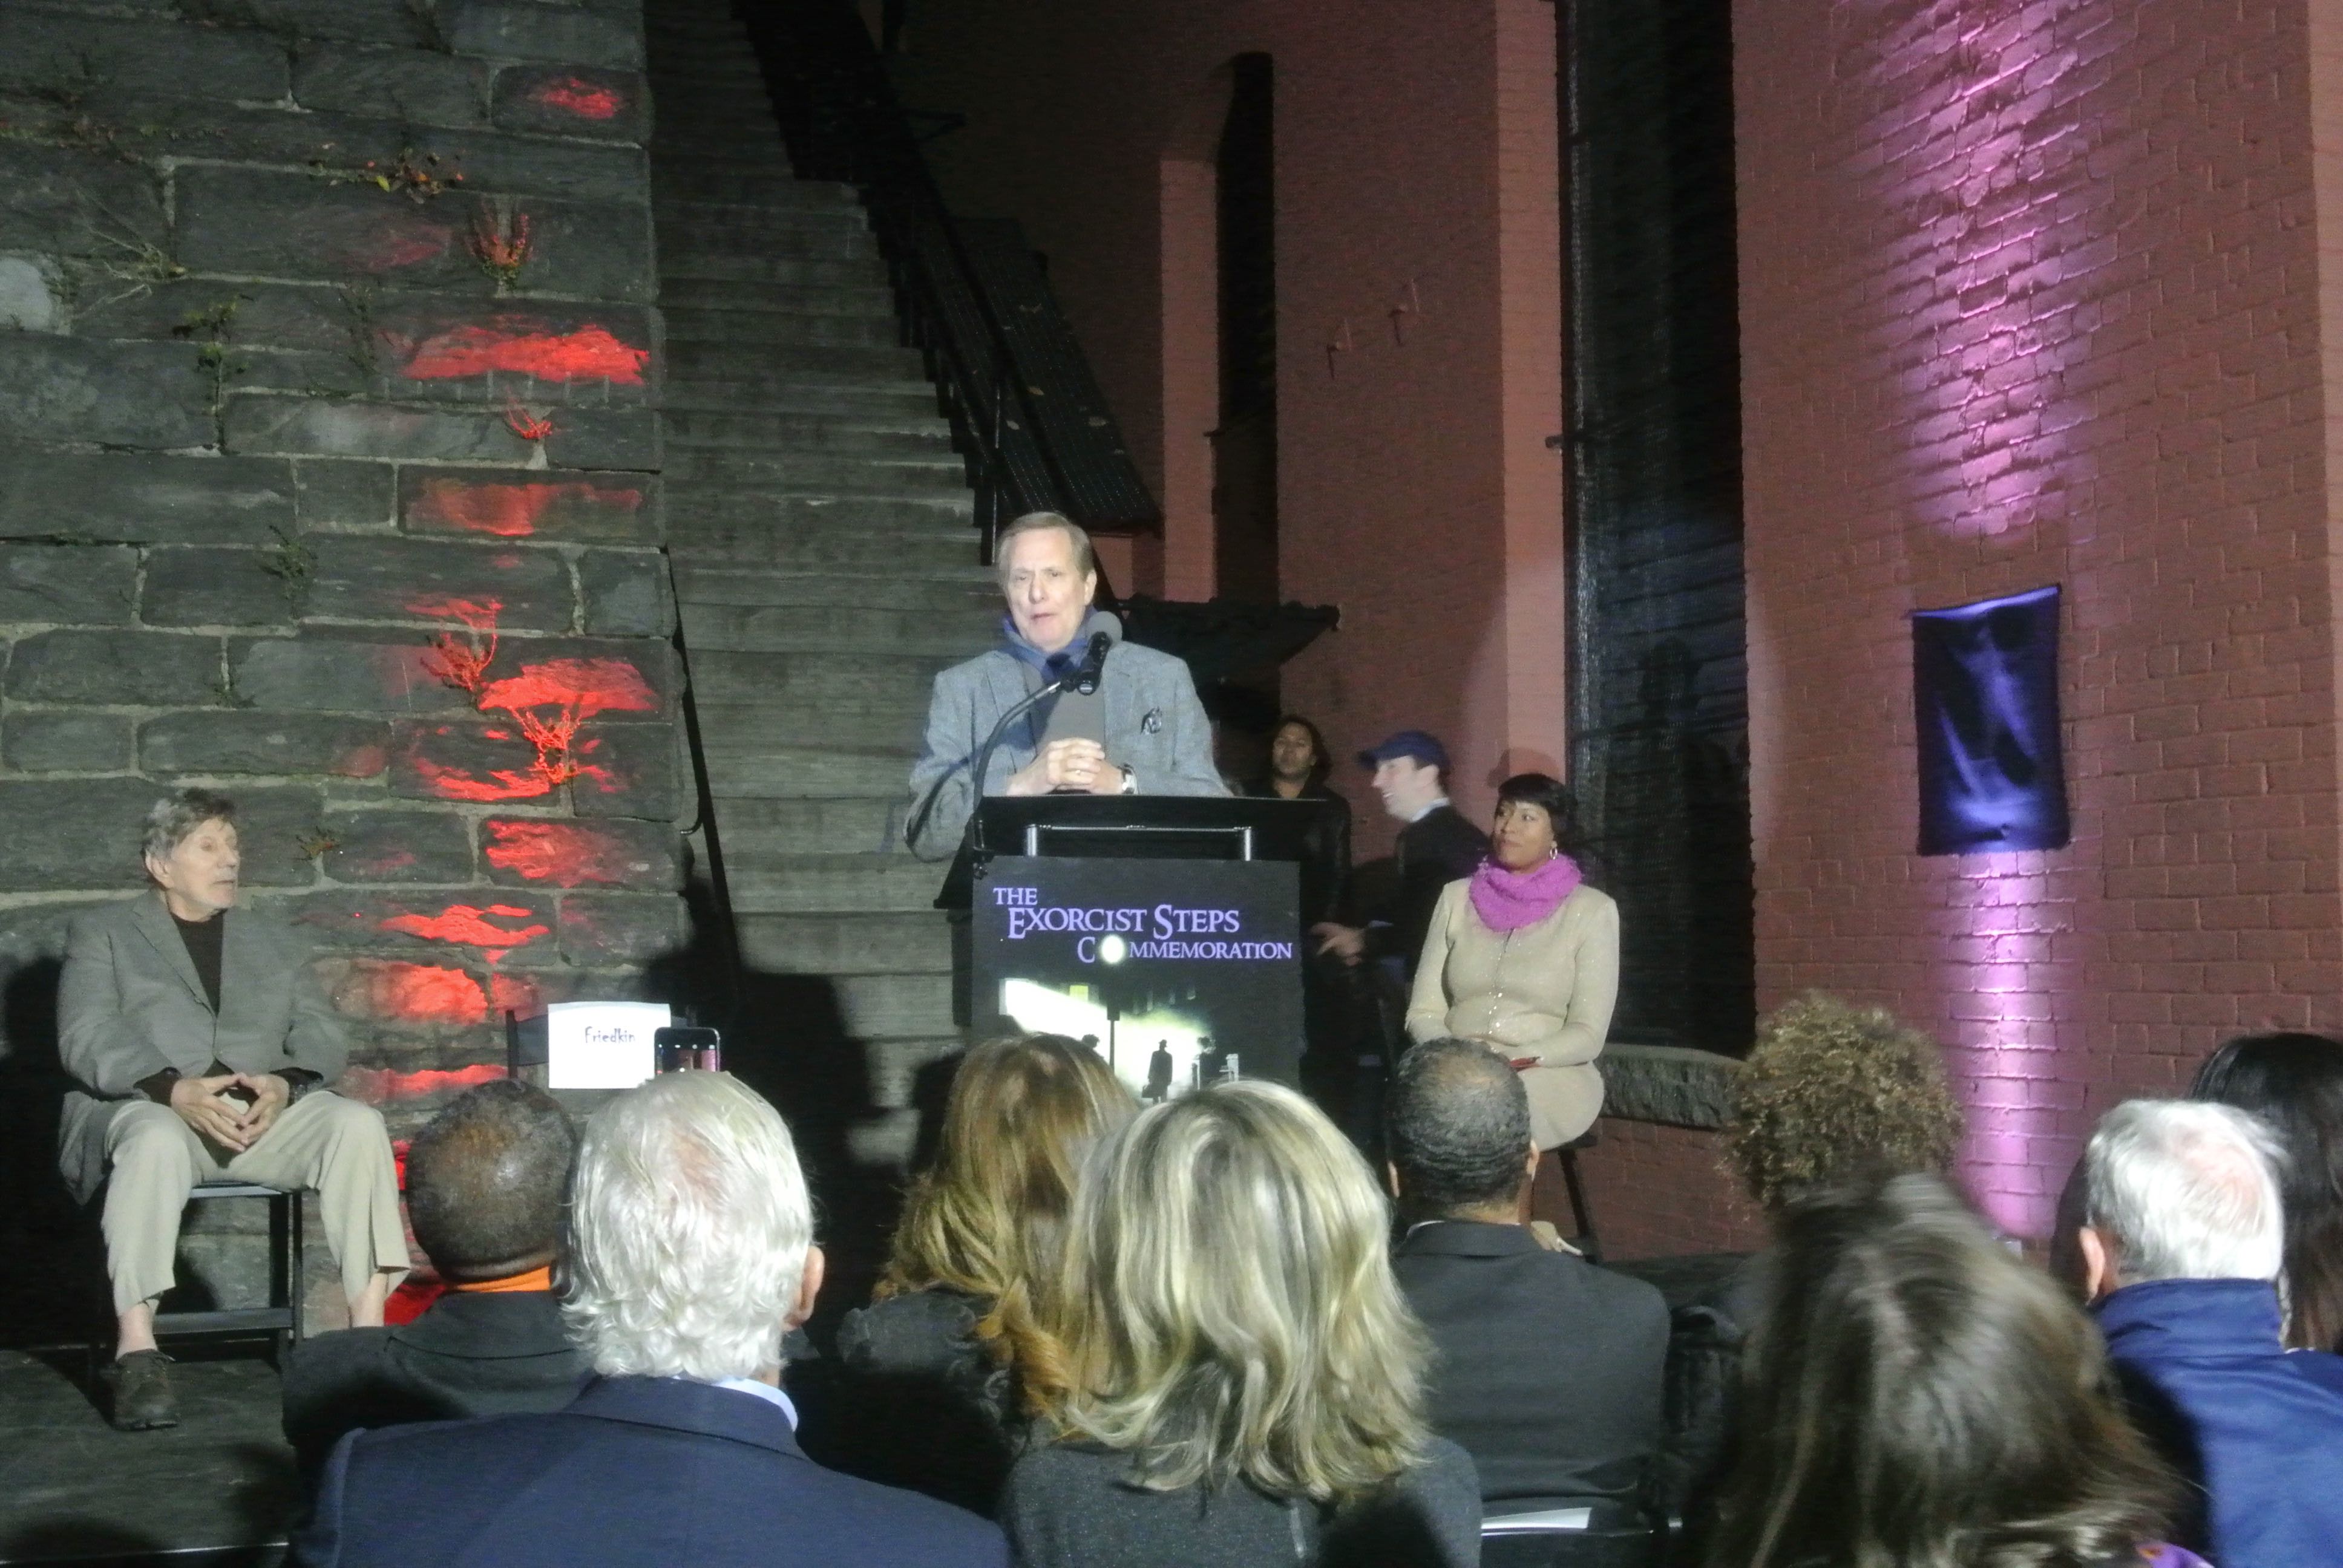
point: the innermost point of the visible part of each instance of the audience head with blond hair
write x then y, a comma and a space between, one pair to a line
1233, 1327
1833, 1093
944, 1364
988, 1218
1916, 1394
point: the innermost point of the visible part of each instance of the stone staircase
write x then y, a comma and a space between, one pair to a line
825, 558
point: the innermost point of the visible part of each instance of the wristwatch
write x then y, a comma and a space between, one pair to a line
1129, 781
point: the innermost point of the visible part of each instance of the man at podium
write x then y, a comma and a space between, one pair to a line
1143, 732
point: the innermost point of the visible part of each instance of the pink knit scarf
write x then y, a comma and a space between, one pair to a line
1508, 901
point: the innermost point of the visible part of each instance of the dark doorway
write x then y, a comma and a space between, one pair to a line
1244, 447
1659, 722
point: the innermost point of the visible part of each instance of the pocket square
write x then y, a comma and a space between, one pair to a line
1153, 722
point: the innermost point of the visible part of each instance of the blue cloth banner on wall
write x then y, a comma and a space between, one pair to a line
1985, 690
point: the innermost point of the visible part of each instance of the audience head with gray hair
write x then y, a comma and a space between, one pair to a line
1457, 1126
690, 1244
2180, 1190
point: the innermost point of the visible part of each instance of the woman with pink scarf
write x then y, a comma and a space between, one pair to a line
1523, 957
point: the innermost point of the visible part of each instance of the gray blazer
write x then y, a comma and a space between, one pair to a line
130, 1004
1154, 726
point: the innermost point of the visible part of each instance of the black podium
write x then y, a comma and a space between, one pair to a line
1167, 928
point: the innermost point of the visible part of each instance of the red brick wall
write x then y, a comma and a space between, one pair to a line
2029, 294
1415, 166
1662, 1191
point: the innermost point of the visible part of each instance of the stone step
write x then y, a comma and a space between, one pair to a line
710, 74
788, 211
895, 1007
784, 271
901, 942
728, 185
732, 151
759, 771
818, 884
873, 678
904, 405
683, 136
910, 477
872, 435
763, 544
863, 363
970, 586
695, 236
864, 298
799, 627
938, 514
689, 324
710, 80
812, 721
677, 184
734, 154
865, 825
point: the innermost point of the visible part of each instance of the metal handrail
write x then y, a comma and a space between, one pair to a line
839, 112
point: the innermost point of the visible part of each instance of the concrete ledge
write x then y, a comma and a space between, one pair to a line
1671, 1084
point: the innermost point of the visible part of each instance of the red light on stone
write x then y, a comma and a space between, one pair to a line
469, 925
427, 994
381, 1085
501, 784
582, 687
511, 993
563, 853
517, 344
507, 511
581, 98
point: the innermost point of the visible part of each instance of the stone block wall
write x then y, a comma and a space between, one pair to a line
329, 478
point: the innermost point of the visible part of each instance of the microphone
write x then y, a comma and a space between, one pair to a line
1086, 676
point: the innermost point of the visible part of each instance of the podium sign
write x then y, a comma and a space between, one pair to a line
1182, 971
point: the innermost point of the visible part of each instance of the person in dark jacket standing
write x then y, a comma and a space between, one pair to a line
1436, 847
484, 1181
2182, 1241
1546, 1370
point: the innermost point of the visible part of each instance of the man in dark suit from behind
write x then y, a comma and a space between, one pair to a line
689, 1253
1546, 1369
484, 1181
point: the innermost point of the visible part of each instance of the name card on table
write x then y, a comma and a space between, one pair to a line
602, 1044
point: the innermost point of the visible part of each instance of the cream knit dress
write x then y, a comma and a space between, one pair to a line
1545, 991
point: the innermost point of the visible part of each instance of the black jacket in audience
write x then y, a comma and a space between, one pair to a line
920, 1404
1548, 1370
1434, 850
1068, 1506
484, 1353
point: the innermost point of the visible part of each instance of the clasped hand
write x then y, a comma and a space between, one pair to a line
1072, 764
203, 1104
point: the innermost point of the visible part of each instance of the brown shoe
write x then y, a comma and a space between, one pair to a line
141, 1384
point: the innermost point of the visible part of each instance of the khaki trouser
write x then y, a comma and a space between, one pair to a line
322, 1142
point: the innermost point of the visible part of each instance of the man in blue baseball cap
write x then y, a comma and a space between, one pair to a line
1436, 847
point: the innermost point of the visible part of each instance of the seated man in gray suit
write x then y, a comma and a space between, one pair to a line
201, 1045
1546, 1370
1146, 734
